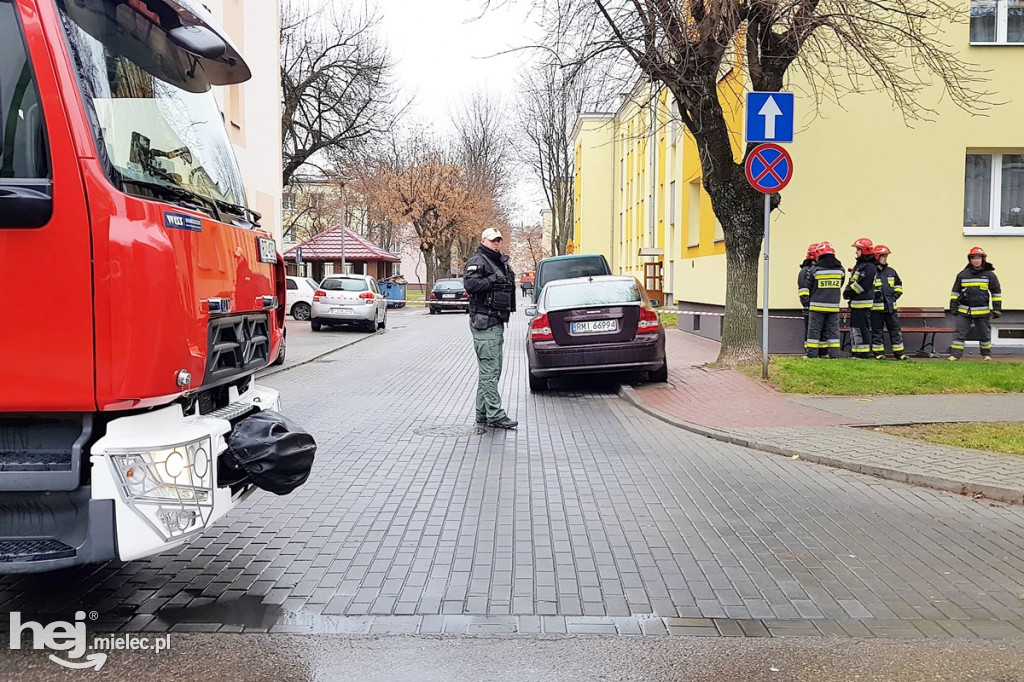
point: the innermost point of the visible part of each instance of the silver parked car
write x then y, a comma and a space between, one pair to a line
349, 299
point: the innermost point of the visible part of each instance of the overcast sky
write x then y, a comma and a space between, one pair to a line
444, 53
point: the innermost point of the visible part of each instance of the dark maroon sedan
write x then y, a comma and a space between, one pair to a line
594, 325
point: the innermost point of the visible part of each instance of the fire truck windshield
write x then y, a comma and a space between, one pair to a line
150, 131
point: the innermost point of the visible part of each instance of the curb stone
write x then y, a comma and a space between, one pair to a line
992, 492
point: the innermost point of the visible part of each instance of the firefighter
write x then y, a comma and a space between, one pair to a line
825, 284
803, 284
860, 292
975, 287
884, 312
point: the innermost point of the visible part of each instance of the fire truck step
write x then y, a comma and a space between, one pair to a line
34, 549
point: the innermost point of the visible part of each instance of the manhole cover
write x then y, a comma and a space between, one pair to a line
447, 431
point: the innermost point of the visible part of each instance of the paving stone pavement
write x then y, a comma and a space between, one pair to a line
729, 406
592, 517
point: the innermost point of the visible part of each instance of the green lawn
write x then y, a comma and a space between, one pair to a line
1005, 437
875, 377
414, 295
668, 320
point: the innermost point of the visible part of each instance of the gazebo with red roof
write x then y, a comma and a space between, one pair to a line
365, 257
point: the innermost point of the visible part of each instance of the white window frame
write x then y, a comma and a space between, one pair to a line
288, 201
994, 198
1002, 21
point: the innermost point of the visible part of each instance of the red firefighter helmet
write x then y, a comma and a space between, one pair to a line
824, 248
977, 251
812, 251
865, 245
881, 250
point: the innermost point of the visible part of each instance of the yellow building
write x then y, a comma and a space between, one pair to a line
929, 192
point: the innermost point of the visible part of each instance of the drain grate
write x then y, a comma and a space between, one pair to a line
447, 431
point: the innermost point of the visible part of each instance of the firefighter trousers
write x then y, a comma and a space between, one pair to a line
880, 321
963, 328
822, 334
860, 332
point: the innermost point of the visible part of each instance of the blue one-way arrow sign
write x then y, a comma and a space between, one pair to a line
769, 117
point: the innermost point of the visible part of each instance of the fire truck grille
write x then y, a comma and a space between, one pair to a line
239, 345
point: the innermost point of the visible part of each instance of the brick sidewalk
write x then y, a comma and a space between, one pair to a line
729, 406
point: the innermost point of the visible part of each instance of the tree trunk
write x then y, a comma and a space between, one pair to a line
739, 327
431, 266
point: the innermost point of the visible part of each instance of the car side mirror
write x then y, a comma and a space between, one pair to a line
531, 311
387, 294
198, 40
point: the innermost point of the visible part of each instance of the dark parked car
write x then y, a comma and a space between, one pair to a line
448, 294
591, 325
567, 267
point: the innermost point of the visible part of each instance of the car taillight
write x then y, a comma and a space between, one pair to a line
433, 295
318, 294
465, 294
366, 294
540, 329
648, 322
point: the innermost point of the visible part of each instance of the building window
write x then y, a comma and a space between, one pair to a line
994, 193
288, 201
314, 200
693, 224
672, 203
997, 22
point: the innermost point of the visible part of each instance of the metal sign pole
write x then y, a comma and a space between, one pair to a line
764, 305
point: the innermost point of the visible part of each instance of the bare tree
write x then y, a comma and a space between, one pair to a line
336, 82
484, 148
420, 182
527, 246
839, 46
550, 101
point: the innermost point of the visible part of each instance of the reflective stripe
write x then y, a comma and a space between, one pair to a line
803, 292
861, 304
833, 344
877, 349
811, 344
954, 296
898, 290
957, 346
828, 273
897, 349
878, 306
823, 309
996, 297
856, 287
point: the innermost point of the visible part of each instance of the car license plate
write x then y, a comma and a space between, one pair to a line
341, 311
268, 250
447, 295
595, 326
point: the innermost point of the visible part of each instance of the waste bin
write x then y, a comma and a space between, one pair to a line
393, 289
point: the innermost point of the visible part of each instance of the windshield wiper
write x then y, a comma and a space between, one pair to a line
247, 214
198, 201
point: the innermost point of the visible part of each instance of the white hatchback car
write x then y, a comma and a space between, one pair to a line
349, 299
300, 297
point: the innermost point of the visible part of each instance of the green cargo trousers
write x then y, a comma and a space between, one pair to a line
488, 344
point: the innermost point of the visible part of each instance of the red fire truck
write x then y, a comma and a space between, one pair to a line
154, 295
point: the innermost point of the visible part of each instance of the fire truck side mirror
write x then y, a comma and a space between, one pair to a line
29, 203
198, 40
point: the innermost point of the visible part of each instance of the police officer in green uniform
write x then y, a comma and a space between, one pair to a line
492, 298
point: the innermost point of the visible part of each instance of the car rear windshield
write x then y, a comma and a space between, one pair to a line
575, 267
590, 294
449, 285
344, 285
